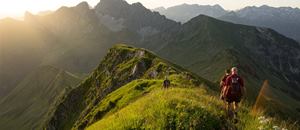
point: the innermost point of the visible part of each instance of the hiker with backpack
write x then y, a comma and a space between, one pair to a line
166, 83
234, 91
222, 85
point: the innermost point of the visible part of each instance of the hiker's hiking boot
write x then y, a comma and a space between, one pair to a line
230, 114
235, 114
235, 118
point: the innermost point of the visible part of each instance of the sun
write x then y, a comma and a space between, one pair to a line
17, 8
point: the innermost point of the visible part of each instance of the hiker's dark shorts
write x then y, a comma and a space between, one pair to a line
232, 98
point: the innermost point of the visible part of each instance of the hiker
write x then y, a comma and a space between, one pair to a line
222, 83
234, 91
166, 83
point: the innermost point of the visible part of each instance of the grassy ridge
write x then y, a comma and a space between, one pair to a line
176, 108
179, 108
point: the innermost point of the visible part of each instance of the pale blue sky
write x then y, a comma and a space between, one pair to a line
16, 8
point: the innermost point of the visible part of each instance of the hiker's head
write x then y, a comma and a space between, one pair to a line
227, 71
234, 70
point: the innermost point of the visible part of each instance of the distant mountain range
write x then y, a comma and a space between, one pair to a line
76, 39
285, 20
185, 12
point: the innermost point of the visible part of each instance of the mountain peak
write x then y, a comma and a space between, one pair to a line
265, 6
113, 8
159, 9
117, 6
232, 13
185, 12
111, 3
217, 6
83, 5
134, 17
201, 18
139, 4
28, 16
185, 4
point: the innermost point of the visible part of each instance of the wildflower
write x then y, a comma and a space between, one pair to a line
261, 118
264, 120
261, 121
260, 127
276, 127
267, 120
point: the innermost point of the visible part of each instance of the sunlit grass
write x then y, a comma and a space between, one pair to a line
182, 108
162, 109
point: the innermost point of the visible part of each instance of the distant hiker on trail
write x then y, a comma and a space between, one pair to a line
234, 91
166, 83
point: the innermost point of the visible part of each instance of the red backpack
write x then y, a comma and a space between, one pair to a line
235, 88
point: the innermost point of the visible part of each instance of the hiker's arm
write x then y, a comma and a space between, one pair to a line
227, 81
222, 82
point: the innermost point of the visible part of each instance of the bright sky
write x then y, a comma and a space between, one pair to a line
16, 8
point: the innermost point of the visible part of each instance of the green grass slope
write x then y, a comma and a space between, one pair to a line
179, 107
26, 106
174, 108
122, 65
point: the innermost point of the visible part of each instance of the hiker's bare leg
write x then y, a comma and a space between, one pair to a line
236, 106
229, 109
225, 104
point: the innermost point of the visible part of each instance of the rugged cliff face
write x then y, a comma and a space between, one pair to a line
129, 16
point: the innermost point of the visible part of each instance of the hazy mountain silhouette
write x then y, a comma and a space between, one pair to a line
285, 20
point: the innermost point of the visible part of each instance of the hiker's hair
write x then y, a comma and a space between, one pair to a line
234, 68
